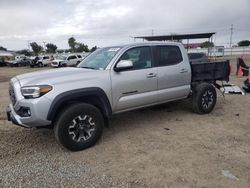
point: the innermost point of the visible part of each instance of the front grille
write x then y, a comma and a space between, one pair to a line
12, 94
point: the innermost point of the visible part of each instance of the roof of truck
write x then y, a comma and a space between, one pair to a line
144, 43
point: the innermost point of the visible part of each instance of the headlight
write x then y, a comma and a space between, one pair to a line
35, 91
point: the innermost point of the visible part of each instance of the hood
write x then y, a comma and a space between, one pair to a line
56, 76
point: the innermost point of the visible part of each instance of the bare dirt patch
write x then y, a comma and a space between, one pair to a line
4, 78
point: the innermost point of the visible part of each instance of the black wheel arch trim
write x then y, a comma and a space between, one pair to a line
75, 94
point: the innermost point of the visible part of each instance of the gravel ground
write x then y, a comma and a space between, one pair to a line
162, 146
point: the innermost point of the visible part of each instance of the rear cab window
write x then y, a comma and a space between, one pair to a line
195, 55
168, 55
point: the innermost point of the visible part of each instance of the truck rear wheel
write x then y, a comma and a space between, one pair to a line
79, 126
204, 98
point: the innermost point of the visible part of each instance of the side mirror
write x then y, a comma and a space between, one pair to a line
123, 65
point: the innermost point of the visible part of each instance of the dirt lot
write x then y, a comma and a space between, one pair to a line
162, 146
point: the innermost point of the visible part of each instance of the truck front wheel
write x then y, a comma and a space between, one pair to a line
204, 98
79, 126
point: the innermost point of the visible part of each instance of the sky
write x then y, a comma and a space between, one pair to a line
112, 22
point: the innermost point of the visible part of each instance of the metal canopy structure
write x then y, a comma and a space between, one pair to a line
175, 37
178, 37
5, 54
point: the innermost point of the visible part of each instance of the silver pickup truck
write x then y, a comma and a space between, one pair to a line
78, 102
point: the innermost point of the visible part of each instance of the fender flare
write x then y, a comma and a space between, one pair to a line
79, 94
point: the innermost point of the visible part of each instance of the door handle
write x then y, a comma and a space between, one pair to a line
183, 71
151, 75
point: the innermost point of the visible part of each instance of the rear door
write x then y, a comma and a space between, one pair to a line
46, 60
174, 73
72, 60
136, 87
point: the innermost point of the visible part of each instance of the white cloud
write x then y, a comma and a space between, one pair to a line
107, 22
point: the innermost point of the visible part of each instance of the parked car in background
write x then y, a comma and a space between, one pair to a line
20, 61
66, 61
33, 62
42, 61
2, 62
5, 56
19, 57
198, 58
79, 56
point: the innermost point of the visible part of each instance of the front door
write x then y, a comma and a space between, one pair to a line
136, 87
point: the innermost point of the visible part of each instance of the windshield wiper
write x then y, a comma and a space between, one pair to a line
89, 68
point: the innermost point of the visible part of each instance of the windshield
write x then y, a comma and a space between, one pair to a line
61, 57
100, 58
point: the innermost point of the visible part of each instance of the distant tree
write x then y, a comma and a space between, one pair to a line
207, 44
24, 52
93, 49
51, 48
2, 48
244, 43
81, 47
86, 49
36, 48
60, 51
77, 46
72, 43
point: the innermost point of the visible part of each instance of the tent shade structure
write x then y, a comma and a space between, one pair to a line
176, 37
5, 54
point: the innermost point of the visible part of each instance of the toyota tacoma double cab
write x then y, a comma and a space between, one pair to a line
78, 102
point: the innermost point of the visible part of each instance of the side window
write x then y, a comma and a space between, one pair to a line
140, 56
71, 57
168, 55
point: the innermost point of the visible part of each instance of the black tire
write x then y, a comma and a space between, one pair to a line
79, 126
31, 66
40, 64
204, 98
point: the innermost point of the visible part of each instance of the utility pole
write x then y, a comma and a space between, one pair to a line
28, 45
44, 43
231, 37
